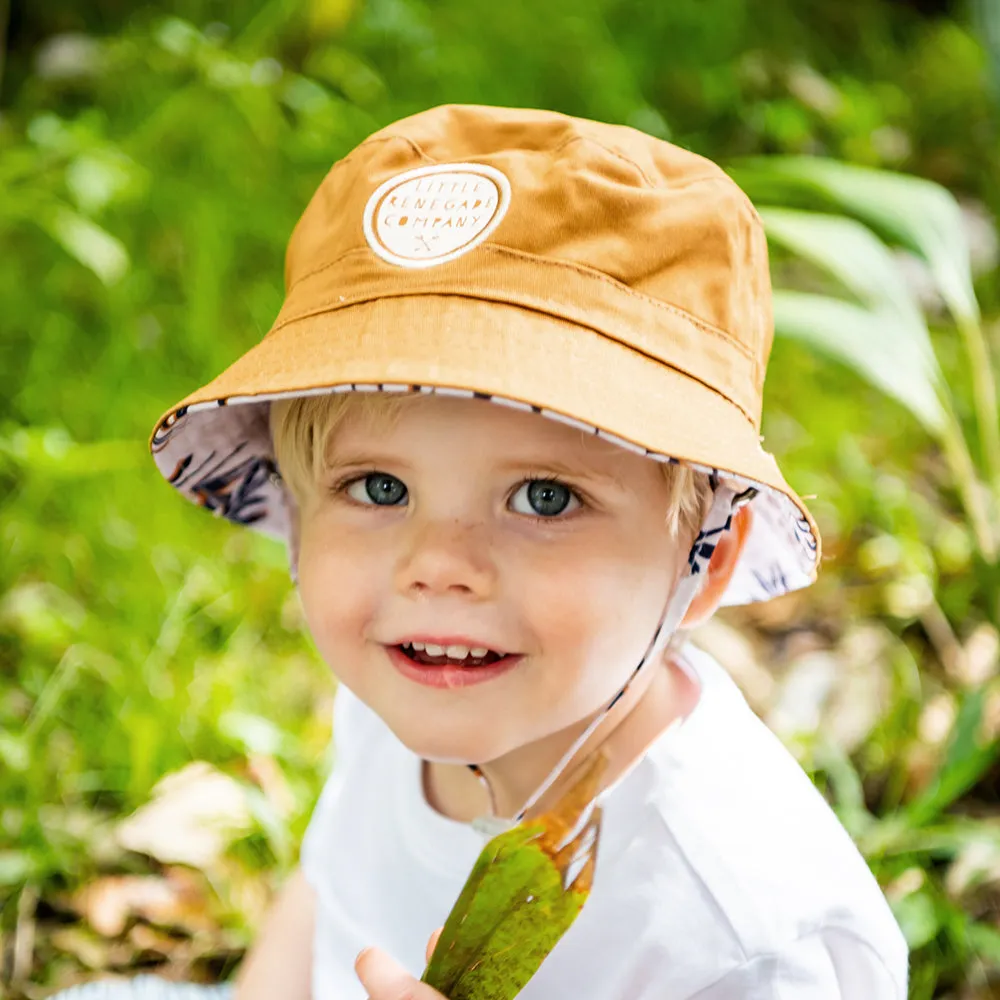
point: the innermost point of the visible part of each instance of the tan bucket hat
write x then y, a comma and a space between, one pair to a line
586, 271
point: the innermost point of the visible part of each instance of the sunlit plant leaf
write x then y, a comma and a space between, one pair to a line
918, 917
881, 347
924, 218
918, 214
91, 245
984, 940
969, 756
525, 890
847, 787
854, 255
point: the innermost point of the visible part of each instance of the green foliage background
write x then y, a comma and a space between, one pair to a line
153, 161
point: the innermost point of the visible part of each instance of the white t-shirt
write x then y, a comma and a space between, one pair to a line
722, 874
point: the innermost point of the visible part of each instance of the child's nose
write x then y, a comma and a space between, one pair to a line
447, 557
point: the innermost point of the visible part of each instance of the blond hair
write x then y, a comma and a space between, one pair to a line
302, 426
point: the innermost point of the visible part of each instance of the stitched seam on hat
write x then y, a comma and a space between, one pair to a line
332, 307
719, 177
590, 273
372, 140
366, 144
569, 140
325, 267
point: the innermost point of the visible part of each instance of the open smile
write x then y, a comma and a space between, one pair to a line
450, 665
453, 654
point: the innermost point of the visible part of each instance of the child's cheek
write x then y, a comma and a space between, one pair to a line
599, 611
339, 600
590, 619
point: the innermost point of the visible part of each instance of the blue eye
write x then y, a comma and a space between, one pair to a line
544, 498
378, 488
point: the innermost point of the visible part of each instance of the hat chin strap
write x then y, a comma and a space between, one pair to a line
718, 520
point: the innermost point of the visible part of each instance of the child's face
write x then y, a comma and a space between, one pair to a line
463, 548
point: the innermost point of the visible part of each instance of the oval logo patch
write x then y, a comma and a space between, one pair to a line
434, 214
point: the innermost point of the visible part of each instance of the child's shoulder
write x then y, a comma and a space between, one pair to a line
731, 815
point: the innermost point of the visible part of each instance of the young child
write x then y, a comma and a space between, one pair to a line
508, 423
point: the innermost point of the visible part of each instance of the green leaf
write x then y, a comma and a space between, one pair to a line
846, 785
51, 452
524, 892
966, 760
17, 867
916, 213
882, 347
91, 245
852, 254
896, 835
99, 177
918, 918
985, 941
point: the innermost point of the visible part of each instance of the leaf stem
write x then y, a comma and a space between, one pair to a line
956, 451
984, 392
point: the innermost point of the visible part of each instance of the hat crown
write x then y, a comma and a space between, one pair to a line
619, 228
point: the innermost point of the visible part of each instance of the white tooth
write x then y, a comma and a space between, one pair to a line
433, 650
478, 652
457, 652
419, 646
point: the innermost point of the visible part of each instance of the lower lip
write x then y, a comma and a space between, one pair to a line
449, 677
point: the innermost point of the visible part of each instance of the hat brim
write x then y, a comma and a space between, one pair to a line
459, 343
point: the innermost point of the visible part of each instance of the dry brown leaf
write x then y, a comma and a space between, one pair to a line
144, 938
109, 903
989, 728
981, 655
977, 864
905, 884
776, 615
86, 947
194, 815
937, 718
176, 899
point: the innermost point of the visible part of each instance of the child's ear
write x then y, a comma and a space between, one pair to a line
720, 569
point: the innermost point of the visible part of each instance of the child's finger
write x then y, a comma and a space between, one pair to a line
385, 979
432, 943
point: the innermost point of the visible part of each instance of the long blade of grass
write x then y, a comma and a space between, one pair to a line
966, 760
915, 213
856, 257
880, 347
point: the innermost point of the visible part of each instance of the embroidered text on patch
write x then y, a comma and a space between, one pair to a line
434, 214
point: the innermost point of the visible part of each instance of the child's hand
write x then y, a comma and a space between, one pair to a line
385, 979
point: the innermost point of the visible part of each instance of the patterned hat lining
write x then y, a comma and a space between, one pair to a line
244, 484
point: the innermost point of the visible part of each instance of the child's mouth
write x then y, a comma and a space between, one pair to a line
451, 666
428, 655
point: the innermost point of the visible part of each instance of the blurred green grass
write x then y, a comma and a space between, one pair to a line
151, 170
